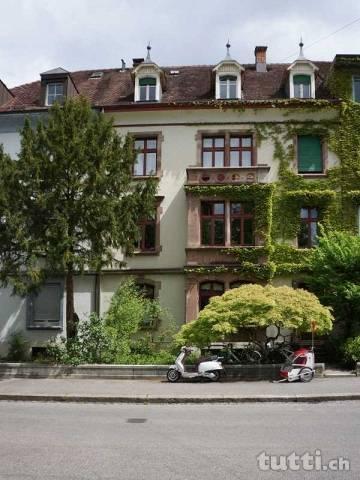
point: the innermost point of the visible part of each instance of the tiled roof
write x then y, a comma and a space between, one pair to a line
192, 83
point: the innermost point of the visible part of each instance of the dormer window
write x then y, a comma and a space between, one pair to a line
228, 86
302, 86
147, 87
228, 78
54, 93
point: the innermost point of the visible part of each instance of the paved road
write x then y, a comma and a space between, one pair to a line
172, 442
157, 388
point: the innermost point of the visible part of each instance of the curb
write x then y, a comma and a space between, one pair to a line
149, 399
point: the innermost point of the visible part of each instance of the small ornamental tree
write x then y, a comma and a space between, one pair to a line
255, 306
69, 202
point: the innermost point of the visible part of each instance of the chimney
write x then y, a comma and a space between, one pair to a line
260, 59
137, 61
123, 64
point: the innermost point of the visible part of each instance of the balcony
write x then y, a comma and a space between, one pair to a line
227, 175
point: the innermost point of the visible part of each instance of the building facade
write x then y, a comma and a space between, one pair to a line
221, 141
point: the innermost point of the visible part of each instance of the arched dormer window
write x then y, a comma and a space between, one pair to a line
228, 78
147, 89
302, 86
228, 88
149, 80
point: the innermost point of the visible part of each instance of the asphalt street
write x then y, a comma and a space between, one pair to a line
51, 441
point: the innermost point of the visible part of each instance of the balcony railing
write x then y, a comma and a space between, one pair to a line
227, 175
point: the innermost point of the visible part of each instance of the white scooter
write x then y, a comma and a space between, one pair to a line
211, 368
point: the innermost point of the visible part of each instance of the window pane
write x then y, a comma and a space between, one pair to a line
232, 90
151, 143
46, 305
297, 91
246, 141
234, 158
219, 159
142, 94
219, 232
234, 142
302, 79
206, 208
235, 208
207, 159
139, 164
248, 231
303, 237
357, 89
206, 232
218, 287
150, 234
152, 93
207, 142
223, 90
139, 144
314, 213
305, 91
304, 213
219, 209
235, 231
246, 159
219, 142
150, 163
313, 232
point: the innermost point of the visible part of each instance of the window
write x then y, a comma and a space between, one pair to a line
54, 93
208, 290
150, 320
302, 86
147, 238
307, 237
213, 151
310, 156
146, 156
228, 87
356, 88
44, 309
240, 151
239, 283
227, 150
147, 290
212, 223
147, 86
242, 223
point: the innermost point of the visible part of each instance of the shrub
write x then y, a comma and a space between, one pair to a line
352, 349
18, 348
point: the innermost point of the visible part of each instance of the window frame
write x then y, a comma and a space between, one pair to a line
145, 151
230, 80
142, 226
30, 308
147, 89
302, 85
308, 221
57, 83
202, 295
227, 149
242, 216
212, 218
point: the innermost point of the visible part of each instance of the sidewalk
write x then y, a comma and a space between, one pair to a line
159, 391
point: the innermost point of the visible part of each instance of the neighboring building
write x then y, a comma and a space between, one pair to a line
197, 130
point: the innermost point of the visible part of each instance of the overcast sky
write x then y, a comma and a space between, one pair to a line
37, 35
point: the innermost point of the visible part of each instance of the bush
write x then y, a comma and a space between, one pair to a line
352, 349
18, 348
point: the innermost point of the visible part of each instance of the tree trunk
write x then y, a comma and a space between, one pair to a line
70, 310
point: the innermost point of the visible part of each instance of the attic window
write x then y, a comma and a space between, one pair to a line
95, 75
302, 86
147, 87
228, 86
54, 93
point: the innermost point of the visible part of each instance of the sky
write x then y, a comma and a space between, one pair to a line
38, 35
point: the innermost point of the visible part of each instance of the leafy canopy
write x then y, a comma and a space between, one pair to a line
253, 306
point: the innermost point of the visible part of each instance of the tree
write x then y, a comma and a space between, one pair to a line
335, 278
69, 201
255, 306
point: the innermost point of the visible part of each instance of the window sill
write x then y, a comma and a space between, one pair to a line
145, 177
156, 251
43, 327
312, 175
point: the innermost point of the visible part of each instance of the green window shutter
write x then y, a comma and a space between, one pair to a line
309, 154
302, 79
147, 81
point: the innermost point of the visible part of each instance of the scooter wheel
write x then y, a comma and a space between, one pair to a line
217, 376
306, 375
173, 375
